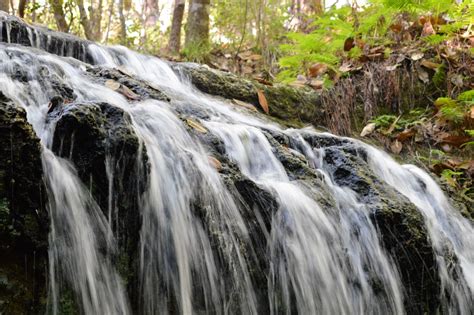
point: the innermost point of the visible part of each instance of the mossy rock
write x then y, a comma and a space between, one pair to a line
293, 107
23, 215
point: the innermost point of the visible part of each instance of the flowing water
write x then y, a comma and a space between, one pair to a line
321, 259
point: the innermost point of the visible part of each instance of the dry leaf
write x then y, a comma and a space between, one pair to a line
195, 125
428, 29
472, 112
112, 84
317, 69
391, 68
129, 93
405, 134
345, 67
349, 44
297, 84
396, 147
368, 129
392, 126
316, 84
455, 140
417, 56
423, 76
215, 163
430, 65
244, 104
262, 100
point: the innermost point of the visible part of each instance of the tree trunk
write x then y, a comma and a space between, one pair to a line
197, 28
176, 23
91, 22
57, 6
152, 12
5, 5
22, 7
123, 28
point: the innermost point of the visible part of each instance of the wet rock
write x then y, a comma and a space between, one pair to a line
23, 215
400, 224
139, 87
15, 30
293, 106
99, 139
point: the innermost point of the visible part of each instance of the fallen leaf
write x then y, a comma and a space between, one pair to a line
455, 140
129, 93
472, 112
438, 168
215, 163
263, 81
297, 84
429, 64
195, 125
316, 84
368, 129
423, 76
255, 57
428, 29
317, 69
112, 84
396, 147
349, 44
417, 56
345, 67
262, 100
405, 134
244, 104
124, 71
391, 68
392, 126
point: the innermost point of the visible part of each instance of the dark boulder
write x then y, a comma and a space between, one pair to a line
101, 142
23, 214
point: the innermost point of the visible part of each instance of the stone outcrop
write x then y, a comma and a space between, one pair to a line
23, 215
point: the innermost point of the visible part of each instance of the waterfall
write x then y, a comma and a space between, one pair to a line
321, 251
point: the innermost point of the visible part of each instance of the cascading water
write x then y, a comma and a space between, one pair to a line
322, 250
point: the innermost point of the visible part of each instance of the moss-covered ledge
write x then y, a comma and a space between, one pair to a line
293, 106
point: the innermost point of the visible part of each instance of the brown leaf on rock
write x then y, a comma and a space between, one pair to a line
215, 163
244, 104
262, 100
396, 147
129, 93
112, 84
195, 125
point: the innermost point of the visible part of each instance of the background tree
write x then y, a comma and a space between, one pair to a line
59, 16
197, 28
176, 24
5, 5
